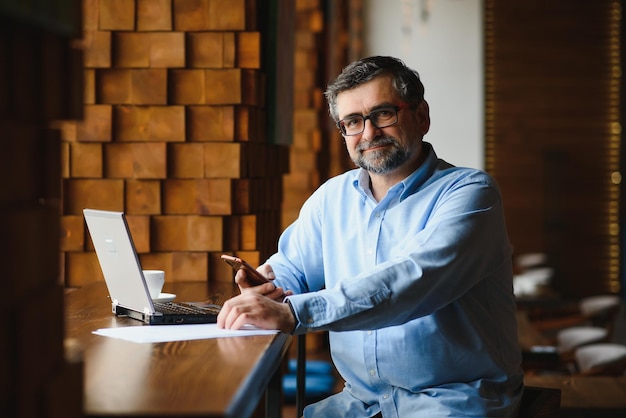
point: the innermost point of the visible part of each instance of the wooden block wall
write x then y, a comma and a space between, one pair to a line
173, 135
309, 112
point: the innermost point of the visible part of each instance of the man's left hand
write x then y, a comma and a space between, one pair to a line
255, 308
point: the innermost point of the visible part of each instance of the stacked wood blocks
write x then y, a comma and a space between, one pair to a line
173, 135
309, 110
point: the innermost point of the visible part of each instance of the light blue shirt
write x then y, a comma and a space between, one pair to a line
415, 291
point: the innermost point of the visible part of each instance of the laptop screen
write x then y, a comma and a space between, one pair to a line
118, 259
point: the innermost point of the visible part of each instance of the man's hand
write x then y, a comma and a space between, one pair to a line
267, 289
241, 277
257, 309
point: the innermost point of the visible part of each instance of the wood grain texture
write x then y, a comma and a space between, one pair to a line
154, 15
116, 15
149, 123
210, 377
142, 197
173, 88
105, 194
96, 125
136, 160
197, 197
85, 160
211, 123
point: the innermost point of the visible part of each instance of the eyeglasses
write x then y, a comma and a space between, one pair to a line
380, 118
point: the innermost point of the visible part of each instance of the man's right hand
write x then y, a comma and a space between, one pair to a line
267, 289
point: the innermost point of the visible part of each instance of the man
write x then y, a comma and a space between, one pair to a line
405, 261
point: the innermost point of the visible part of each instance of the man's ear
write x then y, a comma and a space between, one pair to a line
423, 116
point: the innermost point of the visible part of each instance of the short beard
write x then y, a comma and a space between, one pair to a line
383, 161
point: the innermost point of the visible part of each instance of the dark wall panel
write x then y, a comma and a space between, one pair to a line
553, 133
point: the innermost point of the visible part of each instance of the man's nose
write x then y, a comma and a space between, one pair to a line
369, 128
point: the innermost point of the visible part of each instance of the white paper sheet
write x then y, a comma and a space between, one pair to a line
164, 333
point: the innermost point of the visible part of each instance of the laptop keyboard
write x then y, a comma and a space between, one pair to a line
179, 308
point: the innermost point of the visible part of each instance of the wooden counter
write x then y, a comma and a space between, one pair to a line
221, 377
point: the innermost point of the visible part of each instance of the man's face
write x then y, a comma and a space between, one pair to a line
389, 149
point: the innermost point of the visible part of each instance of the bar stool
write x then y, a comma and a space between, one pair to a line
572, 338
528, 260
601, 310
606, 359
597, 311
528, 281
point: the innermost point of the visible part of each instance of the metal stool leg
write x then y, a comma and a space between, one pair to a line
301, 375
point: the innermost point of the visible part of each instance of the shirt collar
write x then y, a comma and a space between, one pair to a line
416, 179
410, 184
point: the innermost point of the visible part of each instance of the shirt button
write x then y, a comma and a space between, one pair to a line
370, 251
369, 332
310, 321
372, 372
378, 214
385, 396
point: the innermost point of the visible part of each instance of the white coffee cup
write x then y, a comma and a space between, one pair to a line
155, 280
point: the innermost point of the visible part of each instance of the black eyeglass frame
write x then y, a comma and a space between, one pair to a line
341, 125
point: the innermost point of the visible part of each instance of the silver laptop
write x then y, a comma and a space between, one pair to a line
124, 276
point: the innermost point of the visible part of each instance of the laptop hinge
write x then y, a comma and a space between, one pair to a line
148, 312
114, 305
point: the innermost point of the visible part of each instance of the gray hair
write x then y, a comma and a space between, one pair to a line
404, 80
